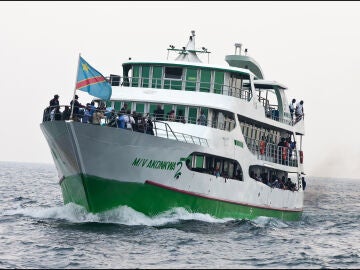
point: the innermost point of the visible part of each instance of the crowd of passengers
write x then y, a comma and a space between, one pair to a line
89, 113
283, 152
274, 181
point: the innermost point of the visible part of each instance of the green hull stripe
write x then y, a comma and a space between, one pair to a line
211, 198
102, 194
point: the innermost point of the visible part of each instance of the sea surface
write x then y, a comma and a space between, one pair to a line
38, 231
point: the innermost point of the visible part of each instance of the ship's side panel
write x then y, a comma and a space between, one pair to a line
117, 156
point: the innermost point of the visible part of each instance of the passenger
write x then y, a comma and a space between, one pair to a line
121, 120
92, 110
149, 125
180, 117
265, 179
112, 119
54, 102
286, 150
225, 175
303, 183
257, 178
281, 146
97, 116
86, 116
171, 115
292, 109
275, 182
217, 171
55, 114
66, 113
132, 119
290, 185
102, 106
291, 148
283, 182
136, 117
262, 145
299, 111
202, 119
78, 109
125, 108
159, 113
129, 120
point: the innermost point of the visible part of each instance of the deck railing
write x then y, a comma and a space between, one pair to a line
272, 152
143, 125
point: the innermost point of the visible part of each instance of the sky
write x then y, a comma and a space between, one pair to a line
311, 47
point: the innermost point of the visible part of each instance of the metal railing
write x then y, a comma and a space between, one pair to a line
228, 124
162, 129
143, 125
272, 152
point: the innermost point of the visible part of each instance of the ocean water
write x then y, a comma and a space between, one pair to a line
38, 231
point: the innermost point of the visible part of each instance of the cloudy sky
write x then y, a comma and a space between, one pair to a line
311, 47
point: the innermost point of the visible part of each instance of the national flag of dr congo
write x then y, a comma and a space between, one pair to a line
92, 81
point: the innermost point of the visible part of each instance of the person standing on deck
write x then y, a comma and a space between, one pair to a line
202, 119
292, 108
77, 105
299, 111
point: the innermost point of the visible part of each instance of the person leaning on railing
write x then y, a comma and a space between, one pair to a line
66, 113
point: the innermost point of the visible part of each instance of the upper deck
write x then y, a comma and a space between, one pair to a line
192, 79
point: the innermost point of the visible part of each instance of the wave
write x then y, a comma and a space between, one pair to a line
121, 215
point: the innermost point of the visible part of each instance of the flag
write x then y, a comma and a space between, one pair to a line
92, 81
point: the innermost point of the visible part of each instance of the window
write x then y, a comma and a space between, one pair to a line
206, 163
173, 73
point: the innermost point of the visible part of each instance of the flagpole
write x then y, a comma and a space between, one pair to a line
73, 100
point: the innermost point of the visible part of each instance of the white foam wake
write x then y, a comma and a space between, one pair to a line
121, 215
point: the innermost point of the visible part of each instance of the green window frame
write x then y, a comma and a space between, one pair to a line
140, 107
167, 109
191, 79
135, 76
205, 80
156, 78
219, 82
192, 115
152, 108
145, 75
117, 105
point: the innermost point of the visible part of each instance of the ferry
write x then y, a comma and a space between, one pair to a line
212, 139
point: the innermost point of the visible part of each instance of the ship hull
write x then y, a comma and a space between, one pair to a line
101, 168
98, 195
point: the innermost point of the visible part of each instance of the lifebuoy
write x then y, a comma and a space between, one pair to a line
284, 153
262, 147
